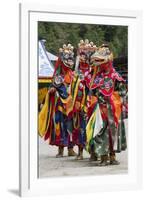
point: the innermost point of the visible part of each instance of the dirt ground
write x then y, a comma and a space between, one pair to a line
50, 166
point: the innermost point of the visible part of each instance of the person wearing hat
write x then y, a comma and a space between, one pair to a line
80, 116
109, 102
59, 125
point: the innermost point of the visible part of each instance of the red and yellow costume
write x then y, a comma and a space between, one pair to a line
103, 86
59, 103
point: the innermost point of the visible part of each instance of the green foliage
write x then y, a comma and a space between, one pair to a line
57, 34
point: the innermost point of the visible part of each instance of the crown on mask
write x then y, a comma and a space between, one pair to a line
86, 46
67, 49
85, 50
67, 55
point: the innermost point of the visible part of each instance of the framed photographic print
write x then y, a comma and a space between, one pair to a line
80, 100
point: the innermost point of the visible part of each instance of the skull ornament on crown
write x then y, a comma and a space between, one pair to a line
85, 50
67, 55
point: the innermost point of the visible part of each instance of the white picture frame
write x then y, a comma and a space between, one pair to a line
30, 184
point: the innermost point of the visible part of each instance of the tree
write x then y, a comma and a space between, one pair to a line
56, 34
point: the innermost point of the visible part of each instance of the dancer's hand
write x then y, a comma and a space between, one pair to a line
52, 90
41, 106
